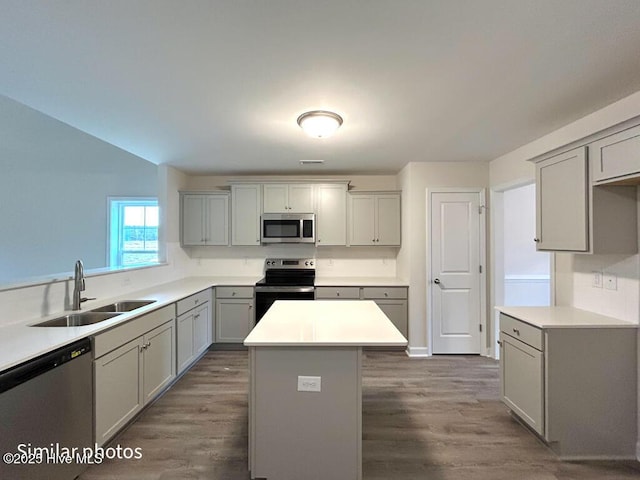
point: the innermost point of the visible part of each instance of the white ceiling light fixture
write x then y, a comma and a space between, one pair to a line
319, 123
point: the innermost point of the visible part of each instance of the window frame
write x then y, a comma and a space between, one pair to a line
115, 216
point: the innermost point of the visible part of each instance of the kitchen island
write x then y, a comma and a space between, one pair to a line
305, 392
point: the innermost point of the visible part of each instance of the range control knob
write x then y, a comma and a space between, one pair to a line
311, 263
306, 264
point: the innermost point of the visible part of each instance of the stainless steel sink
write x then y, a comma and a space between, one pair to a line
123, 306
77, 319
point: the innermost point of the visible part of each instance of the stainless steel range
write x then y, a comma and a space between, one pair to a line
285, 279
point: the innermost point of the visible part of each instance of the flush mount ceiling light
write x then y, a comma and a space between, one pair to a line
319, 123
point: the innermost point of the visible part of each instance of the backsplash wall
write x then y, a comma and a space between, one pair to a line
624, 301
331, 261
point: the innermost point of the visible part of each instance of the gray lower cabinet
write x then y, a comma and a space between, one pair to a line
575, 387
391, 300
194, 327
521, 371
133, 364
234, 313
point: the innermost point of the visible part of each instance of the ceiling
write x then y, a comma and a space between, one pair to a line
215, 86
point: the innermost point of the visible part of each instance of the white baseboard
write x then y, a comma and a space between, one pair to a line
418, 352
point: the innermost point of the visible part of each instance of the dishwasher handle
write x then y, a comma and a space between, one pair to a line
35, 367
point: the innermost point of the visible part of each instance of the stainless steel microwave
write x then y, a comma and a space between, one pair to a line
288, 228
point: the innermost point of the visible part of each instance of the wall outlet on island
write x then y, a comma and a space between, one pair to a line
309, 384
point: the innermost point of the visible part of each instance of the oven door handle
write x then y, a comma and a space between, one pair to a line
286, 289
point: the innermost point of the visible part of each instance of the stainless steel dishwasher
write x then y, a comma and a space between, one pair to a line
46, 403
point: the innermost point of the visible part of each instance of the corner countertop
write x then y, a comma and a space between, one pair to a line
324, 323
20, 342
564, 317
360, 282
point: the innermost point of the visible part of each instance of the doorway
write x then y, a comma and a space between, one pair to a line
456, 259
521, 276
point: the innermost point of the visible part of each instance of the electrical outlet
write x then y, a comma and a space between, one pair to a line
309, 384
597, 279
610, 281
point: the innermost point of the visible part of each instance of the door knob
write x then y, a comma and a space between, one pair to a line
437, 281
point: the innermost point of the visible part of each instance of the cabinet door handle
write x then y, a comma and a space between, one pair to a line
386, 294
250, 307
516, 331
196, 316
436, 281
536, 240
499, 343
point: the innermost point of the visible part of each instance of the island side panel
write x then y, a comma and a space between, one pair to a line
310, 435
591, 392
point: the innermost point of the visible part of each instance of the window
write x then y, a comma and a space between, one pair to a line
133, 236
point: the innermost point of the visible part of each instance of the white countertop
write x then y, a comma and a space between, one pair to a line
325, 323
564, 317
20, 342
360, 282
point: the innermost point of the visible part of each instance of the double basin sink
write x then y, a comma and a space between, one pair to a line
96, 315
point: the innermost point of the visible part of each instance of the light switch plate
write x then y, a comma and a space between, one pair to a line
610, 281
309, 384
597, 279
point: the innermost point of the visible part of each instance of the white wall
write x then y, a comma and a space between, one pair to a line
414, 180
54, 187
526, 271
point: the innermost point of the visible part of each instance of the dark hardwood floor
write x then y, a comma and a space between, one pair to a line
429, 419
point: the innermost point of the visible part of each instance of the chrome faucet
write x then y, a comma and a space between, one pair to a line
78, 286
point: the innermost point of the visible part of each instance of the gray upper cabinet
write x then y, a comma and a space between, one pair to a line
575, 216
246, 207
374, 219
288, 198
204, 219
562, 202
331, 221
616, 158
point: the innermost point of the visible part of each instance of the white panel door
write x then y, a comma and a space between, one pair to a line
455, 272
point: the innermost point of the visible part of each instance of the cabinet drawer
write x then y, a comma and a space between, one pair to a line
193, 301
342, 293
234, 292
522, 331
111, 339
384, 292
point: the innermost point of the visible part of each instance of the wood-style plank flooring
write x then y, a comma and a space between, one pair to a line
430, 419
